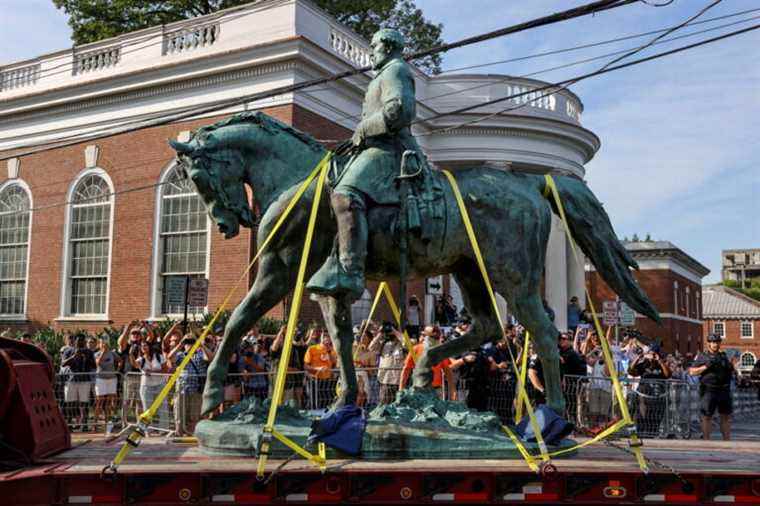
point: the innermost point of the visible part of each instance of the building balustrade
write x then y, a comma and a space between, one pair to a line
189, 39
99, 59
19, 77
349, 48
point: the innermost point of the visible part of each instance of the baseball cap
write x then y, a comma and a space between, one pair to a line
714, 338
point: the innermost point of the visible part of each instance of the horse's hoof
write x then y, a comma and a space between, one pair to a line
213, 397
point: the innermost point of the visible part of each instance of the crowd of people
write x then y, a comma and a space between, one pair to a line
484, 378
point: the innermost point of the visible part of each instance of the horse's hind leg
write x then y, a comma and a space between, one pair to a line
529, 310
271, 285
337, 315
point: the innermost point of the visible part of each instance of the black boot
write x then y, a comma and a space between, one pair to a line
345, 275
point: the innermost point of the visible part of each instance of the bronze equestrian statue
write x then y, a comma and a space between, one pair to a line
509, 211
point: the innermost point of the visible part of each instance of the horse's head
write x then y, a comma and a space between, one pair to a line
217, 170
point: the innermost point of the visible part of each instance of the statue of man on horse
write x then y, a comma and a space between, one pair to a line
511, 215
380, 139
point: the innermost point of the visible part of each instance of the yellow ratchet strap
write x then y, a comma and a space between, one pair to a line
145, 418
487, 280
635, 443
295, 309
523, 372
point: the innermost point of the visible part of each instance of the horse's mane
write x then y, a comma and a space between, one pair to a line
266, 122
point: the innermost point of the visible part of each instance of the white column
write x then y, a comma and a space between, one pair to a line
556, 274
576, 275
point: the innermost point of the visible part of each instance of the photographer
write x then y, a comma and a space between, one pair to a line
388, 343
715, 372
294, 379
502, 375
652, 370
187, 397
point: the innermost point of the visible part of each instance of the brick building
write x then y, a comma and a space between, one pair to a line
673, 281
736, 318
92, 230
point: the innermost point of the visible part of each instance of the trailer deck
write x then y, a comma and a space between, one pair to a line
157, 472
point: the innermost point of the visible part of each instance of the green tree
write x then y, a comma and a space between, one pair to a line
93, 20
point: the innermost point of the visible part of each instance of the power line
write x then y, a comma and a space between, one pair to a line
591, 8
604, 42
554, 87
507, 79
550, 88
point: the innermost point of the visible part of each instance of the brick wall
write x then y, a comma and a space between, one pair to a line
658, 284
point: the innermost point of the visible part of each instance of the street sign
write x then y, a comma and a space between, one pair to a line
434, 285
198, 293
610, 313
174, 288
627, 315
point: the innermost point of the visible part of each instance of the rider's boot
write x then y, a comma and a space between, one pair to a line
344, 276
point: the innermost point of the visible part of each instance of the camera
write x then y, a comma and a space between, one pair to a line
387, 330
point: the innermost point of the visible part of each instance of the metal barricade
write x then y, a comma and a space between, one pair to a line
90, 402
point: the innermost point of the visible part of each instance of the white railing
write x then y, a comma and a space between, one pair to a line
19, 77
93, 61
348, 48
191, 38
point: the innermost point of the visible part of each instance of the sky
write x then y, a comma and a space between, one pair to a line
680, 154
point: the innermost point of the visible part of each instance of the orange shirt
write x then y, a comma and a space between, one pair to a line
437, 368
318, 356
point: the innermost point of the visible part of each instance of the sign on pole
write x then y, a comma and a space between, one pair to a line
434, 285
610, 313
174, 287
627, 315
198, 293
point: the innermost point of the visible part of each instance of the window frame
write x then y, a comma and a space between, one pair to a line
751, 329
25, 187
66, 284
722, 324
158, 253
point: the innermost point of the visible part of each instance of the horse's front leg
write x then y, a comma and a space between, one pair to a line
271, 285
337, 315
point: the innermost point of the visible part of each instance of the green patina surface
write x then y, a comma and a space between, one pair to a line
418, 425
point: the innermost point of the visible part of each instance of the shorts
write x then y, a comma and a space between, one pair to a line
712, 399
77, 391
599, 402
105, 386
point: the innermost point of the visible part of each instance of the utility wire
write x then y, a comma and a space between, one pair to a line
586, 9
507, 79
603, 42
553, 87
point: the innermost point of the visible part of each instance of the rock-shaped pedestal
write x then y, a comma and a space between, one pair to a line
417, 425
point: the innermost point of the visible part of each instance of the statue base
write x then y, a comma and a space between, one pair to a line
417, 425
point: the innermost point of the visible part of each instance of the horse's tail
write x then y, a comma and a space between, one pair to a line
592, 231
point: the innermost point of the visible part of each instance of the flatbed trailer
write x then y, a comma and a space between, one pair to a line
158, 472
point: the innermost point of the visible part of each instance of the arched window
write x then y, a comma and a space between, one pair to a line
89, 245
748, 359
182, 239
15, 216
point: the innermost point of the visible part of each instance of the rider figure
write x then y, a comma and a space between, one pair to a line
381, 137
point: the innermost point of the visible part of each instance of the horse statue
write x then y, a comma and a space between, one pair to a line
510, 213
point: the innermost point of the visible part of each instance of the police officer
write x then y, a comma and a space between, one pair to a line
715, 371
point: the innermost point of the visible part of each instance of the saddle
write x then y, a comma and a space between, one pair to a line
426, 203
